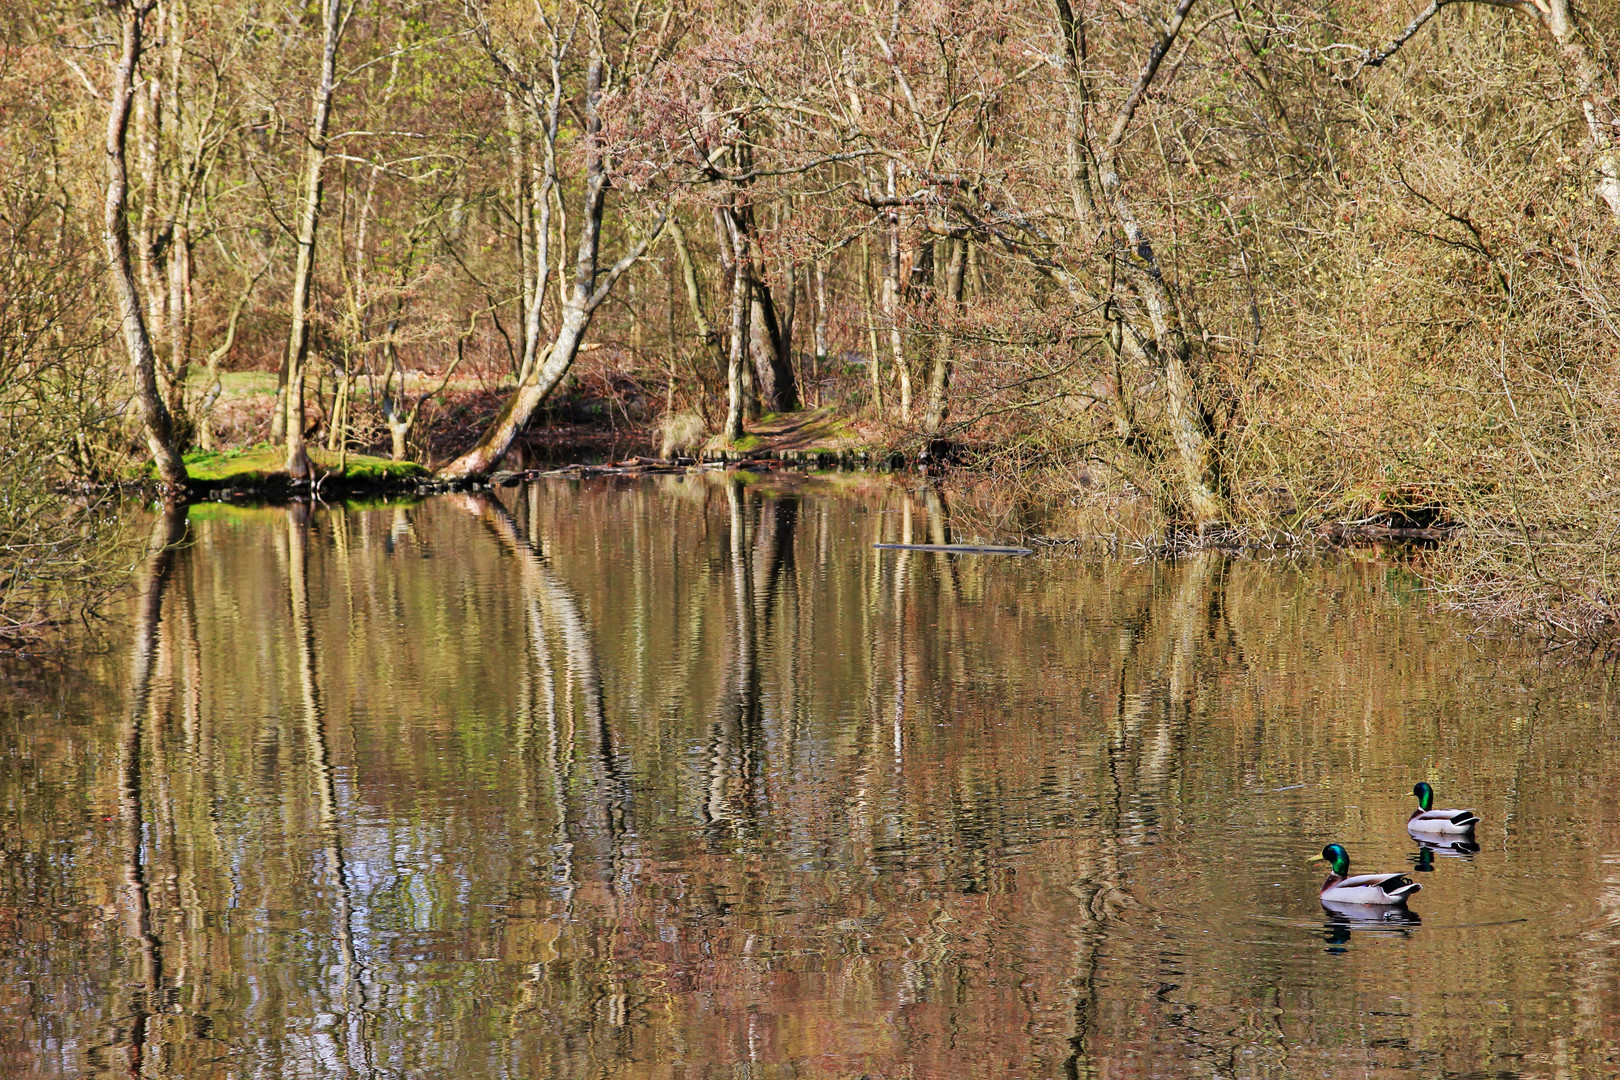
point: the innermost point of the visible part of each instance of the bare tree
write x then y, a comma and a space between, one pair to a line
155, 418
543, 369
333, 20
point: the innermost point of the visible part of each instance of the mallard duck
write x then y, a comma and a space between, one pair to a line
1427, 820
1340, 888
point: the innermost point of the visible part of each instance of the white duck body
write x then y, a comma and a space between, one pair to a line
1426, 820
1370, 889
1442, 822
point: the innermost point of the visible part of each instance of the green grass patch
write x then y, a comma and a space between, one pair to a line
233, 384
262, 462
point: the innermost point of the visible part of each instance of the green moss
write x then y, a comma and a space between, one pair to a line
258, 464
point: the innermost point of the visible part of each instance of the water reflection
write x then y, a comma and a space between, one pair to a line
684, 778
1343, 918
1423, 859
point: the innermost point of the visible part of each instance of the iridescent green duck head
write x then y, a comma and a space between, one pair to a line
1425, 795
1338, 858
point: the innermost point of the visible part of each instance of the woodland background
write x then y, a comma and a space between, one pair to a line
1245, 271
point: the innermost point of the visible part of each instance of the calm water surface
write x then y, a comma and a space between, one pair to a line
682, 778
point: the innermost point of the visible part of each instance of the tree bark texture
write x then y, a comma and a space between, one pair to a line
156, 422
771, 347
309, 218
821, 326
939, 376
737, 358
870, 309
891, 300
694, 294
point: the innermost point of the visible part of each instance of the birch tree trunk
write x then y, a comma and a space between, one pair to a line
891, 300
522, 216
177, 223
180, 324
308, 222
737, 359
821, 325
156, 422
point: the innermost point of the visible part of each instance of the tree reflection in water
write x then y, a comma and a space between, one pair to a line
682, 777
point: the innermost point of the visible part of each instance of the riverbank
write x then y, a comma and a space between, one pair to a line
812, 439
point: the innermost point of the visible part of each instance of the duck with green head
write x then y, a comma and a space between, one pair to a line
1427, 821
1341, 888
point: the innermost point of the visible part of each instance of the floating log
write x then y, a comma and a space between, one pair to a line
959, 549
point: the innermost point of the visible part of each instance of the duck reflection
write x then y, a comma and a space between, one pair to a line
1423, 859
1345, 919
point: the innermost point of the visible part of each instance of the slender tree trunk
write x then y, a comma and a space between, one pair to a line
737, 360
179, 320
786, 379
587, 294
540, 219
876, 363
821, 327
308, 222
522, 217
149, 165
155, 419
694, 293
891, 301
178, 225
1192, 425
939, 377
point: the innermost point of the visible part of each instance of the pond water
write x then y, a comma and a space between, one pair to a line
682, 778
